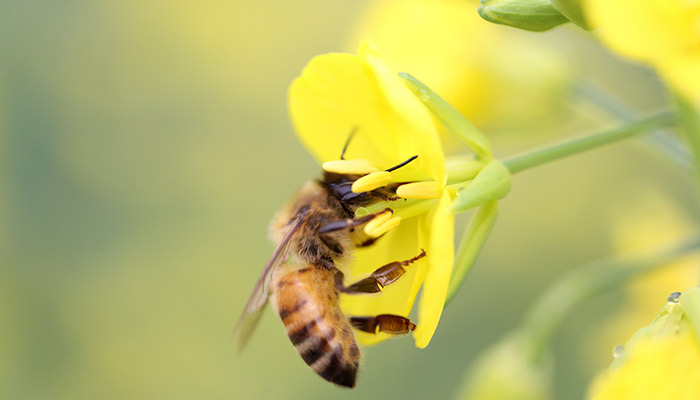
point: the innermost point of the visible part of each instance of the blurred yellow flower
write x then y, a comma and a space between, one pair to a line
661, 361
337, 94
653, 221
662, 33
495, 77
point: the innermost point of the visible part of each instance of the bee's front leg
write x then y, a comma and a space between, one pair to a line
380, 278
350, 223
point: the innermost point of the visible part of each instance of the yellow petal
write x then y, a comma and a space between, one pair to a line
665, 368
327, 102
639, 30
337, 94
397, 245
357, 166
682, 74
663, 33
440, 255
412, 127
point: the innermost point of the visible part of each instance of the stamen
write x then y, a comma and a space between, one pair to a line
371, 181
419, 190
378, 230
356, 166
378, 220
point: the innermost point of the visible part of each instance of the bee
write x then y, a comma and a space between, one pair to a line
316, 234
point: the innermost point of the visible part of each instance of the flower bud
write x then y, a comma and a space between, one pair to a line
571, 9
493, 182
531, 15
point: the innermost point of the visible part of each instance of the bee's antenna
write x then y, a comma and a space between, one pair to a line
395, 167
347, 142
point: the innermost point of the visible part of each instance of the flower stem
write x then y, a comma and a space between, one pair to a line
556, 303
669, 146
690, 120
561, 150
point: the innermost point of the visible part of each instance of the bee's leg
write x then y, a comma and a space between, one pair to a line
380, 278
349, 223
387, 323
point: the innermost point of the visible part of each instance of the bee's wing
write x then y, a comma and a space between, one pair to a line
258, 299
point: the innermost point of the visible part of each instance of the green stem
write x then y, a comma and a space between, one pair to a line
660, 141
556, 303
690, 120
557, 151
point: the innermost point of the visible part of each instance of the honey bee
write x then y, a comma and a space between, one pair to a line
316, 234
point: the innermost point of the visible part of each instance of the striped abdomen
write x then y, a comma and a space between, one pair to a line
307, 302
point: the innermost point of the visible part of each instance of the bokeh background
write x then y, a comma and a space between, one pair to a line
146, 145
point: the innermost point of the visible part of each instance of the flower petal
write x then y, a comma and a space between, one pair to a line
437, 278
327, 102
415, 129
341, 93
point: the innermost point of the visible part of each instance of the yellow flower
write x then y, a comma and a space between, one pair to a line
661, 361
663, 33
664, 224
337, 94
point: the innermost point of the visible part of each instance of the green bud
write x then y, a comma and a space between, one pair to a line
531, 15
493, 182
666, 323
571, 9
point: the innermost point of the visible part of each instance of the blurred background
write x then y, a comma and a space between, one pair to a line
146, 145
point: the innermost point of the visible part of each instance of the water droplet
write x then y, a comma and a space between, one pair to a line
673, 297
618, 350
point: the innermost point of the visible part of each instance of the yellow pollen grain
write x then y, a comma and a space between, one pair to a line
356, 166
371, 181
378, 230
419, 190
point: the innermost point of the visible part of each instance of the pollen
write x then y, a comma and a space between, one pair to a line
381, 225
356, 166
371, 181
419, 190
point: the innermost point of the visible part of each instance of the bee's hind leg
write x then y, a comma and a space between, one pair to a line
387, 323
380, 278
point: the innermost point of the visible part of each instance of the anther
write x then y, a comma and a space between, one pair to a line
419, 190
378, 220
377, 230
356, 166
371, 181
